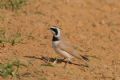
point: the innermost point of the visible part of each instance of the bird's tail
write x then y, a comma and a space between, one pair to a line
85, 57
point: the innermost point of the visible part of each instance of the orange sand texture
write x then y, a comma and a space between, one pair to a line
92, 26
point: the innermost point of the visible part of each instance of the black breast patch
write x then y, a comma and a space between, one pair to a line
55, 38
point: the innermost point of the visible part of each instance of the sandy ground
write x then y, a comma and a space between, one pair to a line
92, 26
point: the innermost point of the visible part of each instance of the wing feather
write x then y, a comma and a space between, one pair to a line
64, 46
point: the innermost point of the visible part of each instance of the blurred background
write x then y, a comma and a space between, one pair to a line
92, 26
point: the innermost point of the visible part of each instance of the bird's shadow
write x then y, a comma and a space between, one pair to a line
48, 60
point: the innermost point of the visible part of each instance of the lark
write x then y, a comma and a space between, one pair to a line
63, 49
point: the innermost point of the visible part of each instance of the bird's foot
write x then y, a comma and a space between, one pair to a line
67, 62
55, 61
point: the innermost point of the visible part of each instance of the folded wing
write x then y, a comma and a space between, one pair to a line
66, 47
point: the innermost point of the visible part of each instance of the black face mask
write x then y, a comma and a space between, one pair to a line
55, 30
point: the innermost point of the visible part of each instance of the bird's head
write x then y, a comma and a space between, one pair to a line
56, 31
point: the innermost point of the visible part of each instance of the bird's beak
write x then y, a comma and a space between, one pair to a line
61, 28
49, 29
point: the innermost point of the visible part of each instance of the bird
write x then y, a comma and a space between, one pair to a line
62, 48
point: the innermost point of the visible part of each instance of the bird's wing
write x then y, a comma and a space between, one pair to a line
66, 47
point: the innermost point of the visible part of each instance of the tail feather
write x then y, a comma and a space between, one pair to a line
85, 58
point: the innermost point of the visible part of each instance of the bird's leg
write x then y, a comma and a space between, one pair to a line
65, 64
48, 60
68, 61
55, 61
63, 58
